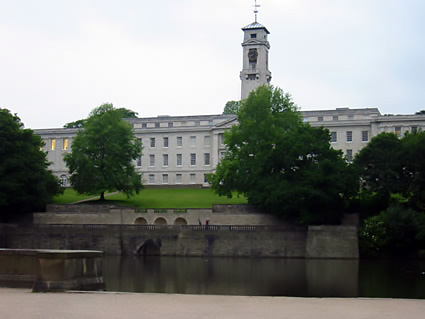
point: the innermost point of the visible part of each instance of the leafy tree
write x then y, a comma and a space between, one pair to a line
380, 164
75, 124
413, 170
125, 113
420, 112
395, 231
25, 182
232, 107
282, 164
102, 154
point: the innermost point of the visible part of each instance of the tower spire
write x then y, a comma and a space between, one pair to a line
256, 6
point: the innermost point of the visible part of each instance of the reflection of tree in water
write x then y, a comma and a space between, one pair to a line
232, 276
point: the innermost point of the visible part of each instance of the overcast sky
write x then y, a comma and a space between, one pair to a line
59, 59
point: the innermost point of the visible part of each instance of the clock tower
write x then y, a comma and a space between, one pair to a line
255, 69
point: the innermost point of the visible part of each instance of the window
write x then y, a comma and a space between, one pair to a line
414, 129
152, 141
349, 136
350, 116
253, 35
152, 160
222, 154
139, 161
333, 137
192, 159
65, 144
205, 179
398, 131
365, 136
63, 180
207, 140
151, 178
335, 118
178, 178
221, 139
164, 178
252, 77
206, 158
193, 141
170, 124
179, 141
179, 159
165, 159
349, 155
165, 141
320, 118
193, 178
53, 144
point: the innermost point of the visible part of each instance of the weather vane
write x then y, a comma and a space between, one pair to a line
256, 6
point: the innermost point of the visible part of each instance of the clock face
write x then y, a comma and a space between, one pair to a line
252, 55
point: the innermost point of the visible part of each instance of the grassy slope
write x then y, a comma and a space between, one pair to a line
69, 196
162, 198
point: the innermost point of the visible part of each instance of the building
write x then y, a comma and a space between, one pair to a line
181, 150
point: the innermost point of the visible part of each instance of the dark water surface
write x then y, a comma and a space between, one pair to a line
266, 276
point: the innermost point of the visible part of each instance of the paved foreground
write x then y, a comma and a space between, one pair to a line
22, 303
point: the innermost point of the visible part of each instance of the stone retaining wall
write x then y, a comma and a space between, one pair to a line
248, 241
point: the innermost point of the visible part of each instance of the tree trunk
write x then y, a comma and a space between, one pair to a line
102, 196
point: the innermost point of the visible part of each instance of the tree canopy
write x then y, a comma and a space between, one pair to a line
390, 165
102, 155
379, 164
281, 163
26, 184
125, 113
232, 107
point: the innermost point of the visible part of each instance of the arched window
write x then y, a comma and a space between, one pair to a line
160, 221
180, 221
140, 221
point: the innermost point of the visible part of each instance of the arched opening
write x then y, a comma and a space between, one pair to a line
140, 221
180, 221
160, 221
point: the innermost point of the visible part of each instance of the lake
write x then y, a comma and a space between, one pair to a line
266, 276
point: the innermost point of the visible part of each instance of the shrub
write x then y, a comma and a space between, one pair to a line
394, 231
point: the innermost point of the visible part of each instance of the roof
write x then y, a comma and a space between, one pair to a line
255, 25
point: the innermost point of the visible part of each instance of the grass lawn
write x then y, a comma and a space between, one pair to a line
162, 198
69, 196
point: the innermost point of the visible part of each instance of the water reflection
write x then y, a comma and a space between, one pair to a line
233, 276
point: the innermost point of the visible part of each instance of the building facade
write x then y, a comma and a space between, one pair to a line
181, 150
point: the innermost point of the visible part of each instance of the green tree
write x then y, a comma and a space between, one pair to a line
25, 182
282, 164
102, 154
395, 231
413, 169
379, 165
232, 107
125, 113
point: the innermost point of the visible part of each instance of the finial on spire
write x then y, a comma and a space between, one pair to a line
256, 6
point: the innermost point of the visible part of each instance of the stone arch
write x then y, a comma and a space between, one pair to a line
160, 221
180, 221
140, 221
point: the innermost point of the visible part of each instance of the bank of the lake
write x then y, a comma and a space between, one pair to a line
22, 304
